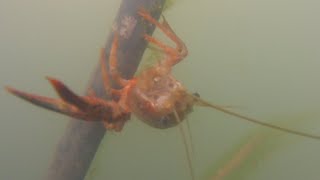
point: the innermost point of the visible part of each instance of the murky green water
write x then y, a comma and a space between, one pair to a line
261, 56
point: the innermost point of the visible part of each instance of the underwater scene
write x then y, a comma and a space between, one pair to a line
246, 61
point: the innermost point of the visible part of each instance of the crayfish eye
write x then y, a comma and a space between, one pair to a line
196, 94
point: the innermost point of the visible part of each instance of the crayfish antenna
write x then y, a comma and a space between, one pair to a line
67, 95
201, 102
186, 147
45, 102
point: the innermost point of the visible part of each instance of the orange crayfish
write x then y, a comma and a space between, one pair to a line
154, 96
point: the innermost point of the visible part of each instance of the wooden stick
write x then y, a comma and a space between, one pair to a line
80, 141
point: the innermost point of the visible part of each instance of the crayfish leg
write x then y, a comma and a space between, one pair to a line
177, 53
113, 64
105, 76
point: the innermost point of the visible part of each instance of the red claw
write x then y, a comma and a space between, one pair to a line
88, 108
67, 95
45, 102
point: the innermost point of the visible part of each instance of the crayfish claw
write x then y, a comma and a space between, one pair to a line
45, 102
67, 95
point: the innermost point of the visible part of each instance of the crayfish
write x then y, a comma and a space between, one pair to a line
154, 96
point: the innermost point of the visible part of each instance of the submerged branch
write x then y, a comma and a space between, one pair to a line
80, 141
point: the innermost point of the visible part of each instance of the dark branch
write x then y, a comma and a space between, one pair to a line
81, 140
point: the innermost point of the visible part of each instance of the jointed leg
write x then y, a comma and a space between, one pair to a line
179, 52
105, 76
181, 47
167, 49
113, 65
164, 26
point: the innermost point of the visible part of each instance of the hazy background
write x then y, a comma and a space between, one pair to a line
261, 55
